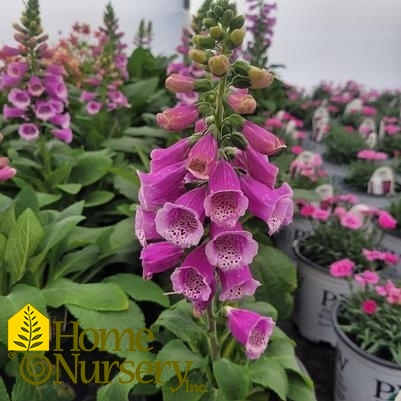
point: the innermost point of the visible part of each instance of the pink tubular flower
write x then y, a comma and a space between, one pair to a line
87, 96
367, 277
145, 226
195, 277
274, 206
261, 140
6, 172
251, 329
237, 284
35, 86
230, 248
342, 268
160, 158
181, 222
225, 202
62, 120
44, 110
177, 118
180, 83
159, 257
93, 107
369, 306
19, 98
386, 220
64, 134
28, 131
161, 186
202, 156
242, 102
17, 69
12, 112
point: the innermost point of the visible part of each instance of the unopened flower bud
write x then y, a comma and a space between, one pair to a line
219, 65
3, 162
21, 37
209, 22
263, 81
218, 11
238, 22
235, 120
43, 38
202, 85
179, 83
19, 28
241, 82
216, 32
227, 17
209, 120
238, 140
237, 36
241, 67
242, 102
199, 56
203, 41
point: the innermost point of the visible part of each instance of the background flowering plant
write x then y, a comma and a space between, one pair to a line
341, 229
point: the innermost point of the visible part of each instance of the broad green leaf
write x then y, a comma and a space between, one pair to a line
122, 235
123, 322
10, 304
192, 390
306, 194
93, 296
73, 210
299, 390
3, 391
128, 144
96, 198
179, 321
47, 199
270, 374
71, 189
232, 379
26, 199
177, 351
21, 244
59, 176
147, 132
277, 274
8, 221
126, 173
139, 289
5, 202
77, 261
91, 167
128, 188
23, 391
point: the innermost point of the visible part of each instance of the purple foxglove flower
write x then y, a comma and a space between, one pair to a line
12, 112
10, 51
159, 257
177, 118
56, 87
261, 140
257, 165
200, 125
181, 222
93, 107
230, 249
8, 81
180, 83
87, 96
55, 69
187, 98
274, 206
57, 106
111, 106
62, 120
17, 69
28, 131
35, 86
19, 98
237, 284
145, 227
250, 329
44, 110
64, 134
162, 157
116, 96
194, 277
94, 81
225, 203
161, 186
202, 157
175, 68
6, 172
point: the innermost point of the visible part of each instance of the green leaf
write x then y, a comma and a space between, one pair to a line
270, 374
298, 389
72, 189
26, 199
58, 176
94, 296
232, 379
73, 210
96, 198
10, 304
184, 391
125, 321
47, 199
306, 194
139, 289
128, 144
263, 308
5, 202
91, 167
277, 274
22, 242
127, 187
146, 132
3, 391
177, 351
8, 221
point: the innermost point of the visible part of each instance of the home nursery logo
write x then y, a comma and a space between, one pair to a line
29, 332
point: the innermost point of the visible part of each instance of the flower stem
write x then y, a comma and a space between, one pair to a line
219, 116
212, 329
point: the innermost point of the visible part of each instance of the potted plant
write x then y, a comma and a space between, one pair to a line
367, 324
339, 230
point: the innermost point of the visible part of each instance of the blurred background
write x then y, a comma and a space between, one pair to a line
332, 39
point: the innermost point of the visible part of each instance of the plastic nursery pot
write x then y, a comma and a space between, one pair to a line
360, 376
316, 297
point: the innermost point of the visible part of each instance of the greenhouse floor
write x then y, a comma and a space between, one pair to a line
318, 360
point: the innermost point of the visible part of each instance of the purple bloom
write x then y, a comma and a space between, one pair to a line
230, 248
12, 112
56, 87
225, 203
274, 206
159, 257
19, 98
57, 106
93, 107
64, 134
261, 140
62, 120
8, 81
145, 226
28, 131
181, 222
55, 69
195, 277
161, 186
177, 118
237, 283
44, 110
251, 329
17, 69
10, 51
202, 156
177, 152
87, 96
35, 86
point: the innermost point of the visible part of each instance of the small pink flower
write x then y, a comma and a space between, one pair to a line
367, 277
349, 198
392, 129
307, 210
369, 306
386, 220
296, 150
373, 254
28, 131
6, 172
342, 268
391, 258
321, 214
351, 221
93, 107
339, 211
